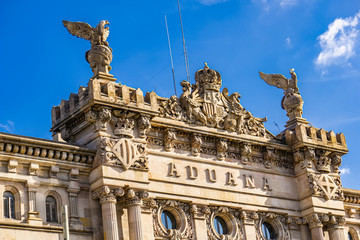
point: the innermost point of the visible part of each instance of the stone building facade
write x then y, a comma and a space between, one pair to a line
199, 166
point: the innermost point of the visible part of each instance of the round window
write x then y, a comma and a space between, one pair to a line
268, 231
168, 220
220, 225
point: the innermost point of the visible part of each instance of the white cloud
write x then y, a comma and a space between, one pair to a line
8, 127
288, 42
211, 2
287, 3
344, 171
338, 42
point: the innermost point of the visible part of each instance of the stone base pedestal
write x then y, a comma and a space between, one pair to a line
33, 219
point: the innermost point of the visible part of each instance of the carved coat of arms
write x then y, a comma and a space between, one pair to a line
203, 104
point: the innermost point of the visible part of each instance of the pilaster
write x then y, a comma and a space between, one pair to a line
33, 214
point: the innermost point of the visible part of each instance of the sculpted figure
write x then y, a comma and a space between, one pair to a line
235, 118
100, 54
292, 102
190, 101
97, 35
171, 108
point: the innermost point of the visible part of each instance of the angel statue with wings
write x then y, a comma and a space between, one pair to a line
100, 55
292, 101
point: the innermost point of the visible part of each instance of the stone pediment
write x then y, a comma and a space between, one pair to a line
203, 104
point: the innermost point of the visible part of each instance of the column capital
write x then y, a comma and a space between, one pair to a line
135, 198
107, 194
335, 222
314, 221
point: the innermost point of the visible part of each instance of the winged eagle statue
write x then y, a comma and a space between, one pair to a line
100, 54
292, 101
97, 35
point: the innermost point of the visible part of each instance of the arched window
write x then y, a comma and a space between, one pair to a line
9, 205
51, 209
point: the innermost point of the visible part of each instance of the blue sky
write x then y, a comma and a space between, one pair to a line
41, 63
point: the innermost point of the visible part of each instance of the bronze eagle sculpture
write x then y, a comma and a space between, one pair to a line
97, 35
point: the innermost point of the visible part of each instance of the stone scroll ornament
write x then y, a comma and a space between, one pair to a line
100, 54
292, 101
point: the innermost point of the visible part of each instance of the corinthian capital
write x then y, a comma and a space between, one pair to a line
105, 194
135, 197
314, 221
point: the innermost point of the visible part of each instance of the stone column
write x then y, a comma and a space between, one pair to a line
107, 198
335, 228
32, 213
336, 233
134, 203
316, 227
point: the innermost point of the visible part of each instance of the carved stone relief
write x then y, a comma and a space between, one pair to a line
231, 216
269, 157
203, 104
182, 214
99, 117
144, 125
280, 223
196, 142
245, 153
124, 152
325, 186
221, 147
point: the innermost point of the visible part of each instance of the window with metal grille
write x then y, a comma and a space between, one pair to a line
51, 210
9, 205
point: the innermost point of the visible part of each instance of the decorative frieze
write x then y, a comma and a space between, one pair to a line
269, 157
169, 139
196, 142
245, 153
221, 148
143, 126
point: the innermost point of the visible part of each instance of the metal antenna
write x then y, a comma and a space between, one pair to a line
171, 58
184, 46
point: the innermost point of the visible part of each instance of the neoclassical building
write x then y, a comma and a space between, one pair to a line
199, 166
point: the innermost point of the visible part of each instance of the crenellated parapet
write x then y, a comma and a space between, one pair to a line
309, 136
